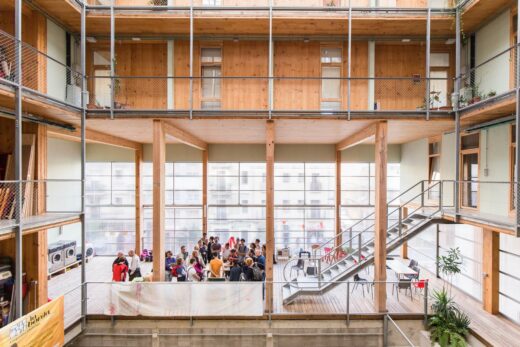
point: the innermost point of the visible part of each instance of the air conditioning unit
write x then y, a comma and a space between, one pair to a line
74, 95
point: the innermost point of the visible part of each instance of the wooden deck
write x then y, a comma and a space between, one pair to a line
497, 330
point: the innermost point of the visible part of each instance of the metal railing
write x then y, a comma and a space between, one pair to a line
41, 74
212, 94
38, 197
242, 5
388, 324
494, 77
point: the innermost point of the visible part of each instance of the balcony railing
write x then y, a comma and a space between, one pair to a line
291, 95
41, 74
281, 4
494, 77
39, 198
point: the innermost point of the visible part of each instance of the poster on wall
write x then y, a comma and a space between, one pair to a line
43, 327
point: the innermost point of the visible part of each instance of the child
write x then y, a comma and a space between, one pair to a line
178, 271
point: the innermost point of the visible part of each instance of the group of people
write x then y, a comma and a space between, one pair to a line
234, 261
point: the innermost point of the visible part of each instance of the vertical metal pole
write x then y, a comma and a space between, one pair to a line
428, 32
350, 238
440, 196
112, 61
457, 114
426, 303
83, 43
400, 225
191, 59
517, 122
348, 303
359, 248
422, 194
270, 62
349, 69
18, 158
437, 232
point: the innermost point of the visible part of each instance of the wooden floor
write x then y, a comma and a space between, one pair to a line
497, 330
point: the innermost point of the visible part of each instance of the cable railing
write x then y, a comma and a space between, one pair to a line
38, 198
42, 75
291, 94
494, 77
285, 5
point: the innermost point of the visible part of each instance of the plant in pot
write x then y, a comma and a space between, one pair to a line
450, 264
491, 93
448, 325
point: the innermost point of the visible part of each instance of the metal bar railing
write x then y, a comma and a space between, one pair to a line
386, 325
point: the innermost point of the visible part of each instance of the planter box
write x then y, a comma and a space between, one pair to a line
425, 340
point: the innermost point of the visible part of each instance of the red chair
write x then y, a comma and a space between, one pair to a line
419, 284
328, 257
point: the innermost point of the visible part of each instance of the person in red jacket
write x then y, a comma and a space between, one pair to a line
119, 269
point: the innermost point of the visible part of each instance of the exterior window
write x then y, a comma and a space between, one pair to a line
331, 82
512, 160
470, 170
211, 68
102, 84
434, 167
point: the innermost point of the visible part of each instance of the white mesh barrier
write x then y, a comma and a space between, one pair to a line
178, 299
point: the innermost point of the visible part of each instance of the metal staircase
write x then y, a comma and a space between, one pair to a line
335, 263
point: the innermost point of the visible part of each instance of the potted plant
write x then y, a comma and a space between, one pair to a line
491, 93
450, 264
448, 325
330, 3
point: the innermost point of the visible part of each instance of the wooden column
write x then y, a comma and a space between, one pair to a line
404, 247
490, 269
269, 213
381, 212
205, 191
138, 205
159, 158
339, 237
40, 23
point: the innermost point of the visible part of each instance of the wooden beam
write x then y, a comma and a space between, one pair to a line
358, 137
339, 238
94, 136
184, 137
269, 213
205, 192
138, 204
381, 211
490, 270
159, 158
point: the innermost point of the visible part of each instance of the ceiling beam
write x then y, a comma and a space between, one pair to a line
183, 136
357, 138
93, 136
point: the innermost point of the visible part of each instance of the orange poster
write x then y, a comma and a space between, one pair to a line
42, 327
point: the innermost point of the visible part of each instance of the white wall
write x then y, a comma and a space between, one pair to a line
56, 49
490, 40
414, 163
64, 162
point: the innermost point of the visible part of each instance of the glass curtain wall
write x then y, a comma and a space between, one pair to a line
236, 200
304, 201
509, 295
110, 206
183, 200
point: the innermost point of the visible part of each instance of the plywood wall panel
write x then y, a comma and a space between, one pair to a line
297, 59
182, 69
359, 68
245, 59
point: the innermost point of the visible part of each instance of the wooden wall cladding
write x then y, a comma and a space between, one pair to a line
250, 59
143, 59
359, 68
297, 59
181, 64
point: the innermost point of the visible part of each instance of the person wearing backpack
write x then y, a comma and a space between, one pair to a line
248, 270
178, 271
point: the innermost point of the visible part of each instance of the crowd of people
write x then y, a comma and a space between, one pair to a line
209, 260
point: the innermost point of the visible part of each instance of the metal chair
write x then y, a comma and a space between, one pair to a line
405, 284
300, 264
358, 281
413, 263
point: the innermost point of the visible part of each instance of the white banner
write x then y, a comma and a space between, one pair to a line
185, 299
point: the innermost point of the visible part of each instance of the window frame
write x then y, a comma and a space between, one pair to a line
512, 159
334, 65
464, 152
431, 157
212, 64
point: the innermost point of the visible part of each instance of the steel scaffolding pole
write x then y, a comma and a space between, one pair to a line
457, 113
18, 159
84, 95
349, 63
271, 81
191, 59
112, 61
428, 44
517, 128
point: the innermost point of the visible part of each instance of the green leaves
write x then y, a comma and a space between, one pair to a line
451, 264
449, 325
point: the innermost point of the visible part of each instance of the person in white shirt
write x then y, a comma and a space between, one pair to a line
193, 276
134, 266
